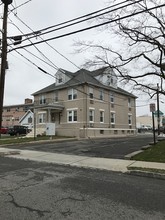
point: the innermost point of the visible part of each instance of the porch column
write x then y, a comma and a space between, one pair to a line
49, 116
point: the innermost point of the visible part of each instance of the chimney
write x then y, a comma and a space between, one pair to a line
28, 101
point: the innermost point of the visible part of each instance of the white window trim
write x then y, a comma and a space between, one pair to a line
112, 123
42, 117
112, 95
90, 91
101, 92
72, 94
129, 103
103, 111
72, 110
92, 109
131, 119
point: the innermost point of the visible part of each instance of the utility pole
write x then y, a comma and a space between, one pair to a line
158, 111
3, 56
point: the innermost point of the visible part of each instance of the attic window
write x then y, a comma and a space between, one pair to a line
60, 78
30, 119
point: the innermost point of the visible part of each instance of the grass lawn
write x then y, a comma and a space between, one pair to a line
155, 153
23, 139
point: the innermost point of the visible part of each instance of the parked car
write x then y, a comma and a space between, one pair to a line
17, 130
146, 127
3, 130
161, 129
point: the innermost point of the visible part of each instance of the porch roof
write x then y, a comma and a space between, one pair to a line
51, 106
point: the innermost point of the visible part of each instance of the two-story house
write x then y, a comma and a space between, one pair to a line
85, 104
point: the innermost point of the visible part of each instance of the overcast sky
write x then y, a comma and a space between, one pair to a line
23, 78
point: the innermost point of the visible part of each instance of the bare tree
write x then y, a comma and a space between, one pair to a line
136, 47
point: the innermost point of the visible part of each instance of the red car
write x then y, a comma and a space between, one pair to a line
3, 130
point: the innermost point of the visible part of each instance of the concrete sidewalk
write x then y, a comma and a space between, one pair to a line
81, 161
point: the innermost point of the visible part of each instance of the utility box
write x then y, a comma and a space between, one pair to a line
50, 129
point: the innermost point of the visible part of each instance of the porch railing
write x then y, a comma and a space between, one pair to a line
47, 101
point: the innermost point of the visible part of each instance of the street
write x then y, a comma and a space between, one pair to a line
31, 190
102, 147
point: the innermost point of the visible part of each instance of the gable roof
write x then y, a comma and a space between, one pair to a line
80, 77
25, 115
98, 71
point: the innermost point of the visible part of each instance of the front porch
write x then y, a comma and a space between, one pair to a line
45, 113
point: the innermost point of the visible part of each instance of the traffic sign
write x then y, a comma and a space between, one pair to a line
152, 107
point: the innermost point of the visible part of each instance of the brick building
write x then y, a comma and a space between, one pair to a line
13, 113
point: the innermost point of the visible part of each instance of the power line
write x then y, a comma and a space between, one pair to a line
14, 8
80, 17
63, 27
77, 22
40, 68
88, 28
46, 43
36, 46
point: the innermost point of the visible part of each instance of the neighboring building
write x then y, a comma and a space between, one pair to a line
13, 113
85, 104
27, 119
144, 120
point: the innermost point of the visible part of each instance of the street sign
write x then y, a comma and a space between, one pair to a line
152, 107
160, 113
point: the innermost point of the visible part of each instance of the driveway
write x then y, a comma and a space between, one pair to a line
104, 147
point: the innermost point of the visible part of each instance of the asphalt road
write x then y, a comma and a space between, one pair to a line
31, 191
105, 147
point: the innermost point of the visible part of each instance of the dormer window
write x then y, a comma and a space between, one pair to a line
60, 78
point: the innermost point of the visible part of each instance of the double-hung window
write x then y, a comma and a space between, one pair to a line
101, 97
42, 118
129, 119
112, 117
129, 102
90, 93
72, 94
112, 97
72, 115
56, 96
42, 99
91, 115
101, 116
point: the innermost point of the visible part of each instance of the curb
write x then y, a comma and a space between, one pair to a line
2, 154
146, 174
40, 141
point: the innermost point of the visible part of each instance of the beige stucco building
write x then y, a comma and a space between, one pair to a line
85, 104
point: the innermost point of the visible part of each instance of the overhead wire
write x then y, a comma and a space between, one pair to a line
39, 32
80, 17
88, 28
48, 44
36, 65
73, 20
37, 48
64, 23
14, 8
